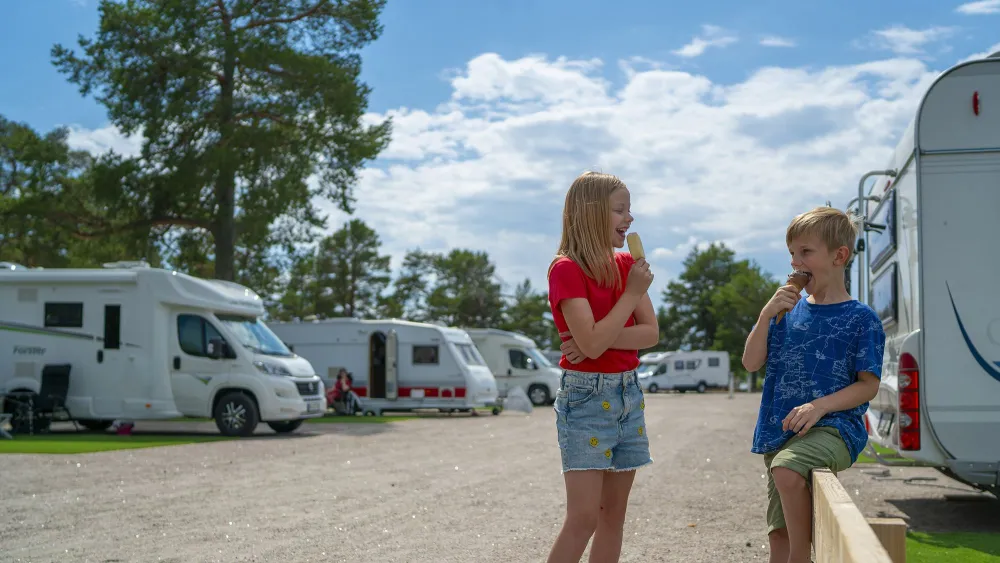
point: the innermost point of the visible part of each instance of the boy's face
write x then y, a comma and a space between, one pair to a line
810, 254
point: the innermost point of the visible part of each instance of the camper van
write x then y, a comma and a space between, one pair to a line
143, 343
397, 365
516, 361
693, 370
928, 266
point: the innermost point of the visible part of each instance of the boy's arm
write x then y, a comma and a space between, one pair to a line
755, 351
803, 417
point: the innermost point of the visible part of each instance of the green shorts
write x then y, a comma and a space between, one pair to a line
821, 446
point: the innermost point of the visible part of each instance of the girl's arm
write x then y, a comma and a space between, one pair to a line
594, 338
645, 333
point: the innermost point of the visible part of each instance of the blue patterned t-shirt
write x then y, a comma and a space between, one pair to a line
816, 351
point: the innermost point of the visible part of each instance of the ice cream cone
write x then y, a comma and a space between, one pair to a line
798, 280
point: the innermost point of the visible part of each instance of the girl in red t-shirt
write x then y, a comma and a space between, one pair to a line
599, 301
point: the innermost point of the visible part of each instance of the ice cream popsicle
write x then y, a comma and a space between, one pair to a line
797, 279
635, 246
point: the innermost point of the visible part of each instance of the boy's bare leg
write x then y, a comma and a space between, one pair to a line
607, 546
778, 541
583, 505
796, 503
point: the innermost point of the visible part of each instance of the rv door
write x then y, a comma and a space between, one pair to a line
391, 365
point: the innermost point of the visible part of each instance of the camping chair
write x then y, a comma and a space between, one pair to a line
34, 412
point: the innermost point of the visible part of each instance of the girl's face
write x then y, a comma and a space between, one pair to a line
621, 216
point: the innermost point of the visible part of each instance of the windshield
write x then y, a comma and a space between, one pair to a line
539, 358
254, 335
647, 368
470, 354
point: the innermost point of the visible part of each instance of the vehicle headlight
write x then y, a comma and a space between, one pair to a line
272, 369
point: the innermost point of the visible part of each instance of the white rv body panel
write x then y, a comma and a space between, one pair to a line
156, 361
516, 361
435, 367
932, 280
683, 370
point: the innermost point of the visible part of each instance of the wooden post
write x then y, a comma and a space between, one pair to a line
891, 533
840, 532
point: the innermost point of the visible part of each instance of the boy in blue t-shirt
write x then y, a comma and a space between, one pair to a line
824, 363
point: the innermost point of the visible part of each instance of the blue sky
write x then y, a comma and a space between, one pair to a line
725, 118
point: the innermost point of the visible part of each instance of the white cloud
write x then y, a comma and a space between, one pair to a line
712, 36
980, 7
775, 41
705, 161
902, 40
104, 139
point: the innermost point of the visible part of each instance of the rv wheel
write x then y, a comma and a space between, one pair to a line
236, 415
538, 394
702, 387
653, 388
284, 426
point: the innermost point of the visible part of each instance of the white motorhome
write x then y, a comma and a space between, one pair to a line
929, 267
683, 370
516, 361
145, 343
397, 365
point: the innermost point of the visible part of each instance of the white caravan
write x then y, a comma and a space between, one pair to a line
396, 365
144, 343
516, 361
931, 264
694, 370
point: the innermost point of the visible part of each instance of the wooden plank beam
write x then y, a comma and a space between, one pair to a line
840, 532
891, 533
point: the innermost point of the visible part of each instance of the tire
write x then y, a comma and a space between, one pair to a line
538, 395
285, 426
653, 388
96, 425
236, 415
702, 387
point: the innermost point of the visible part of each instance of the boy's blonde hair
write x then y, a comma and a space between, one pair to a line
586, 236
832, 226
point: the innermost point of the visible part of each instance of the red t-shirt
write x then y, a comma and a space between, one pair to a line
567, 281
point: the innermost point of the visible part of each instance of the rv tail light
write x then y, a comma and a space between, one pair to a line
975, 102
909, 402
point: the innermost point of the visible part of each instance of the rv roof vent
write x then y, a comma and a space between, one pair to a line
11, 266
126, 264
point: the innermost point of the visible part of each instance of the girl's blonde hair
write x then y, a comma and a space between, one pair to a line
586, 238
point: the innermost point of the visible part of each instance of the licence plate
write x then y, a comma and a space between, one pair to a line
312, 406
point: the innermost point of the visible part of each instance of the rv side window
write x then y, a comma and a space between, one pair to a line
519, 360
713, 362
425, 355
662, 369
693, 364
194, 333
679, 365
64, 315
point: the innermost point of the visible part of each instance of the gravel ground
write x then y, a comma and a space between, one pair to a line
449, 489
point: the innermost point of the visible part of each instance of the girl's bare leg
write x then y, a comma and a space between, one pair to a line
615, 490
583, 506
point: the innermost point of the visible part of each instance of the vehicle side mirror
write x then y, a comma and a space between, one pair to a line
219, 349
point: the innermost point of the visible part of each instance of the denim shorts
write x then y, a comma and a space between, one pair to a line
600, 422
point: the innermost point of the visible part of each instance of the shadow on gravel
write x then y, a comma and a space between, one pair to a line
961, 512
